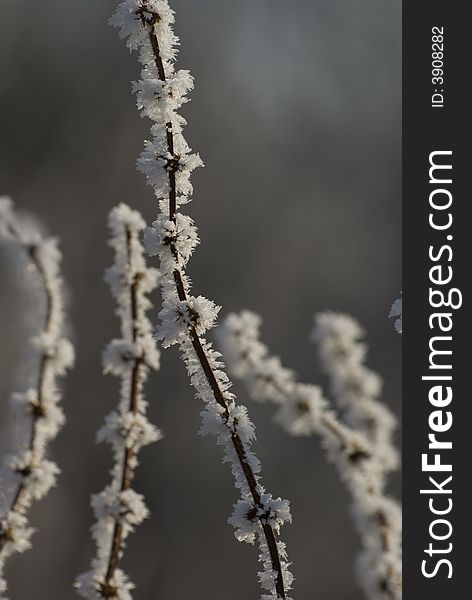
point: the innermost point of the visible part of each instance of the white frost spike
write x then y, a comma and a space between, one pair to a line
171, 94
14, 528
127, 506
26, 474
168, 162
90, 586
244, 521
118, 508
35, 479
359, 458
396, 312
134, 430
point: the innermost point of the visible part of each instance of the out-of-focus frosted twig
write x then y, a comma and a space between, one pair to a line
355, 390
168, 163
396, 312
303, 410
26, 474
118, 508
354, 387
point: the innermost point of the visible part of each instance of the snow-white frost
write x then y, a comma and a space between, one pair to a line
179, 316
118, 508
168, 163
360, 455
26, 474
182, 234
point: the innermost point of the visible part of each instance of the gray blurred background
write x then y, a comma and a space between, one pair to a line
296, 113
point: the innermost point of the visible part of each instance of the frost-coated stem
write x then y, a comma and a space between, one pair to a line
359, 459
167, 162
26, 473
118, 508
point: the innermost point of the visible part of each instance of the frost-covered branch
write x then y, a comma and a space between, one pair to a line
302, 410
168, 163
396, 312
26, 474
118, 508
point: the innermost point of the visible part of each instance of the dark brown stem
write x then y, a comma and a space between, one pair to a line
196, 341
129, 453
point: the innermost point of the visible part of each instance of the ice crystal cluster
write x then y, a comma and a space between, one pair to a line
118, 508
26, 473
358, 442
168, 162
